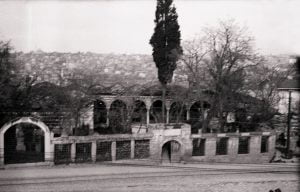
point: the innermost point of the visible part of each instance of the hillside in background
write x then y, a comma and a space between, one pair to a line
58, 68
109, 69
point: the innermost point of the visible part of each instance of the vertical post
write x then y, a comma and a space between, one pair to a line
187, 115
90, 118
288, 125
107, 116
168, 116
148, 116
132, 142
113, 150
1, 149
94, 151
73, 152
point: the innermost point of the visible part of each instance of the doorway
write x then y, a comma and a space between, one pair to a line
171, 152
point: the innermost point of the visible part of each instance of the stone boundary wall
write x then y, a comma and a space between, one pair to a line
254, 155
73, 140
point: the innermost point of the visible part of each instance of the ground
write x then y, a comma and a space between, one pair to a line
132, 177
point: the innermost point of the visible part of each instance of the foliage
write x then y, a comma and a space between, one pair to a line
7, 75
165, 42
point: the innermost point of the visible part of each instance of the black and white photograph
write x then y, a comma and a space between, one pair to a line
149, 95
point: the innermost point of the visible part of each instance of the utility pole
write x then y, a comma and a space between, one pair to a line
288, 125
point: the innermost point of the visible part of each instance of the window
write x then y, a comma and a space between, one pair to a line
222, 143
198, 147
243, 145
264, 144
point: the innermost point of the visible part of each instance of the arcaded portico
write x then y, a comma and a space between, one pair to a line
146, 110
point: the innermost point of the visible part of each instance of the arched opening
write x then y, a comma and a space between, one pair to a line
197, 114
118, 118
177, 112
100, 117
156, 112
171, 152
24, 143
139, 115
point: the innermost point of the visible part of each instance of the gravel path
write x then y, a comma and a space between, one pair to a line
187, 178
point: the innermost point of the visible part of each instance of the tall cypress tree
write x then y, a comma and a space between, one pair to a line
166, 43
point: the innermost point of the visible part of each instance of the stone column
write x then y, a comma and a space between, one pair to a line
148, 117
148, 107
73, 152
168, 113
168, 106
187, 115
113, 150
107, 116
94, 151
132, 142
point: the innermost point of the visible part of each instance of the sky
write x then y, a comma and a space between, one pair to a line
125, 26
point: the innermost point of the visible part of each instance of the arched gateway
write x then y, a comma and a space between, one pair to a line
171, 152
26, 120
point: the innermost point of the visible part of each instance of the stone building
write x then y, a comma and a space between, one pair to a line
145, 137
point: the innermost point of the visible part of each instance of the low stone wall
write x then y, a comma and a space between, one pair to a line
98, 147
253, 151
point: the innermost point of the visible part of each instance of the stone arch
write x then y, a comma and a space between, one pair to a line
33, 121
156, 111
139, 114
172, 150
195, 109
117, 99
118, 117
100, 115
177, 112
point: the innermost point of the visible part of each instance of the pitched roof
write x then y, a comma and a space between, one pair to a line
292, 84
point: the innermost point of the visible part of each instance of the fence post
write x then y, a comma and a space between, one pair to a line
132, 142
113, 150
94, 151
73, 152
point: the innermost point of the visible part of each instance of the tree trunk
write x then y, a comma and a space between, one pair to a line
164, 87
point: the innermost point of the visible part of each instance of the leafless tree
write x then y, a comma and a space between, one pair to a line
217, 61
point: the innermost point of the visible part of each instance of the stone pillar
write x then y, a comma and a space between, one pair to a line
168, 106
50, 156
148, 107
188, 115
107, 116
168, 113
73, 152
90, 119
210, 146
1, 149
132, 142
94, 151
271, 144
148, 117
254, 144
113, 150
233, 145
